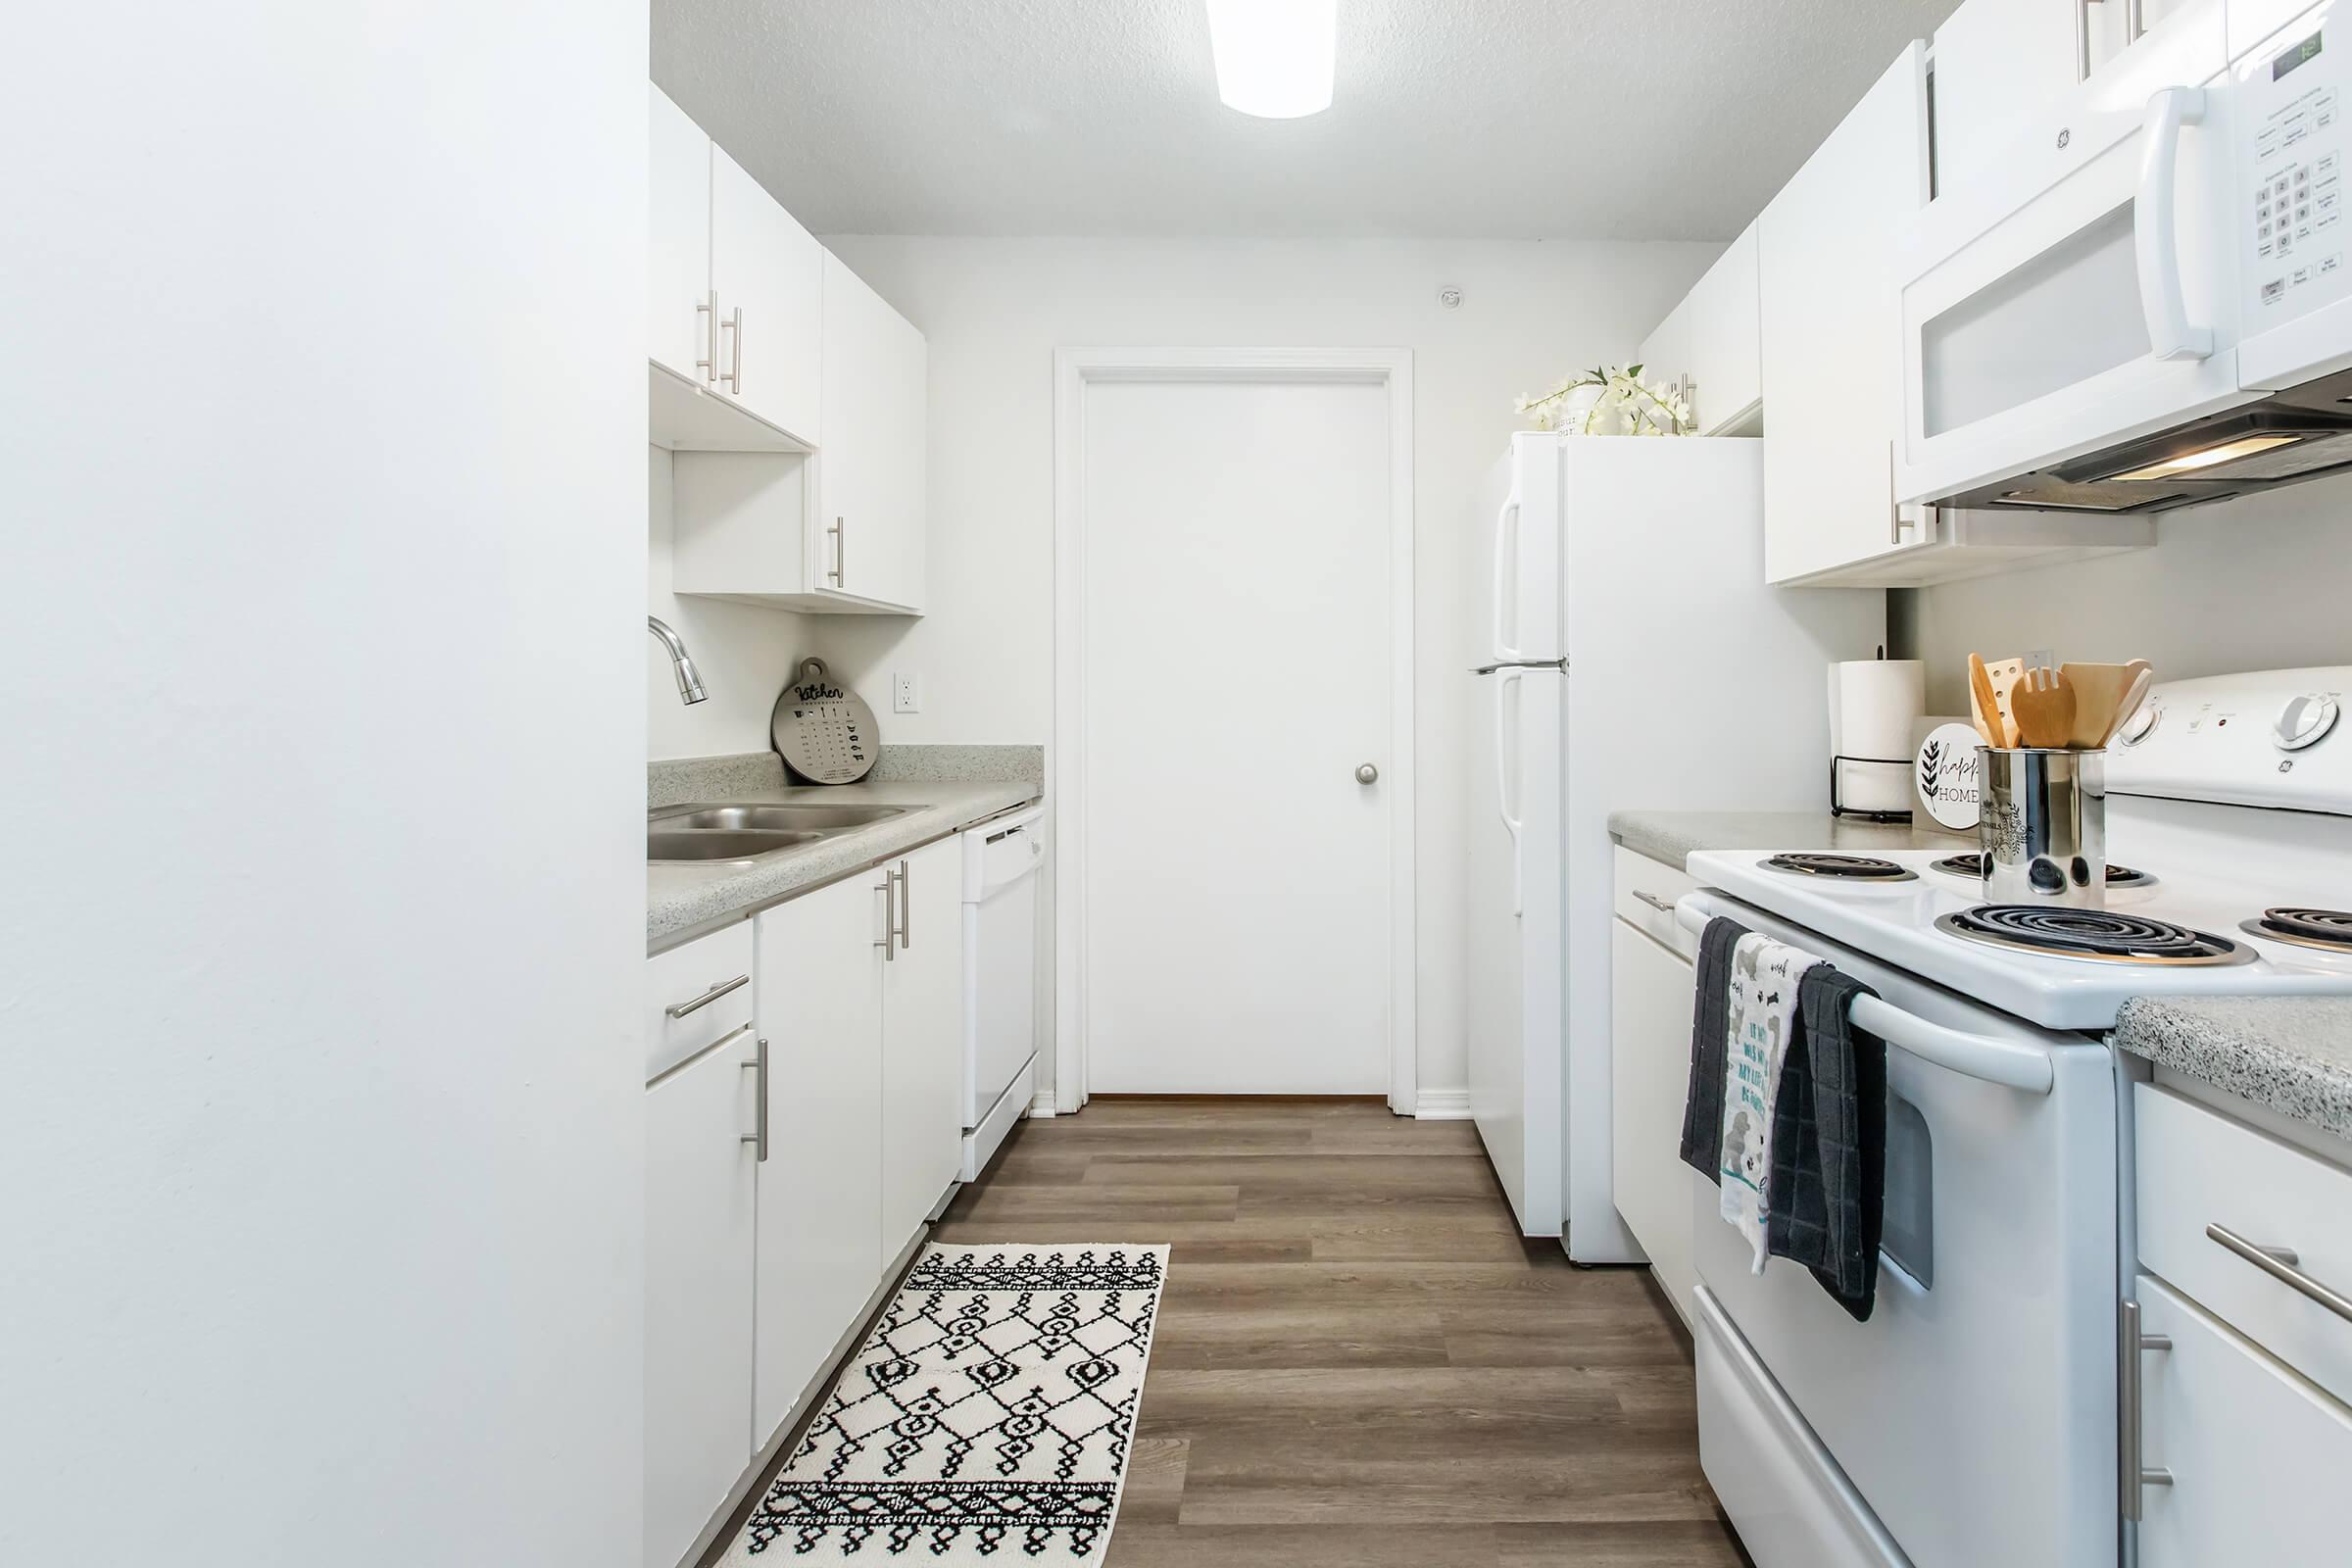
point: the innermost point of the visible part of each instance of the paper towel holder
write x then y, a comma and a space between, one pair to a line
1837, 805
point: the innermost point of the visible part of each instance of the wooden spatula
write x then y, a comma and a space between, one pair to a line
2098, 694
2136, 695
2004, 676
1985, 702
2042, 705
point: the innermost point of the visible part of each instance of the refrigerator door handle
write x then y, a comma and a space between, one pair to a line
1506, 769
1506, 527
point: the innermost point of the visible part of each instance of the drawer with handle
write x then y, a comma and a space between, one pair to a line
1645, 893
2249, 1228
695, 995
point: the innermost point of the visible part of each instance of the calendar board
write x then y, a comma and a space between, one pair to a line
823, 730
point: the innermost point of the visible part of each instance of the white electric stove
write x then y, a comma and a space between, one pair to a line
1972, 1419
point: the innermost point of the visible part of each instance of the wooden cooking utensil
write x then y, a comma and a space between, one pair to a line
2133, 698
2004, 679
2098, 691
1983, 704
2042, 706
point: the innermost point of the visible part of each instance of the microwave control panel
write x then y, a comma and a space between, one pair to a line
2293, 97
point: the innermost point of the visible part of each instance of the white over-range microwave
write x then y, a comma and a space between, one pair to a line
2149, 304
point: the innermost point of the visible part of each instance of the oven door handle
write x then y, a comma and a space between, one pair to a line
2006, 1063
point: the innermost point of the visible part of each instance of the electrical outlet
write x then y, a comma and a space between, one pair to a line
905, 693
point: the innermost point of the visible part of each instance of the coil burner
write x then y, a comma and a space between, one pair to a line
2329, 930
1841, 867
1972, 866
2105, 935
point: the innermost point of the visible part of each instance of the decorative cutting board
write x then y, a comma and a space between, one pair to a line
825, 731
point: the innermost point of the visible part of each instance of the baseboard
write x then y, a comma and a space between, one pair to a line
1442, 1105
1041, 1104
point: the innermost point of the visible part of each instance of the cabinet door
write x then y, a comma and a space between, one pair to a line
1665, 355
1726, 377
922, 1043
1649, 1057
870, 471
698, 1198
769, 273
678, 236
1832, 331
820, 1188
2258, 1456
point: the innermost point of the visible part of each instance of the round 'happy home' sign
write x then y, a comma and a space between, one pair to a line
1945, 774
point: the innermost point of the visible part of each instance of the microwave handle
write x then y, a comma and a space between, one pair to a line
2155, 226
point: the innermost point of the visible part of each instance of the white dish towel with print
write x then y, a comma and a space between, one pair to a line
1765, 976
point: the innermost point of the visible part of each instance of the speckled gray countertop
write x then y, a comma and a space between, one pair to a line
1673, 836
2291, 1055
683, 902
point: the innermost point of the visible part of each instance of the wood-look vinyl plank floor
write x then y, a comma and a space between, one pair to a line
1358, 1360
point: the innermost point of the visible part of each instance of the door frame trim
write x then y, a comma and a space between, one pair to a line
1074, 369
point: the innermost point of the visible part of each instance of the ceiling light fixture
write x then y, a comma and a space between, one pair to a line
1275, 57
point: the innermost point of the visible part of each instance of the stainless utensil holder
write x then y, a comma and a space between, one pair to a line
2043, 825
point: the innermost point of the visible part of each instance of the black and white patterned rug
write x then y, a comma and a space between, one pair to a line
985, 1419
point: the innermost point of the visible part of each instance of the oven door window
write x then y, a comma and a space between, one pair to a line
1907, 1231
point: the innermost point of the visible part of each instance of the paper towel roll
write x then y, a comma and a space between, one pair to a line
1875, 704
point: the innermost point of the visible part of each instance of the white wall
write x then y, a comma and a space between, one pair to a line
745, 652
2262, 582
996, 309
322, 413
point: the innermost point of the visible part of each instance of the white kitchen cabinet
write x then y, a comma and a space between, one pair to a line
1710, 345
1998, 63
820, 960
1831, 337
870, 476
733, 301
768, 275
699, 1202
678, 238
922, 1041
2257, 1458
1651, 987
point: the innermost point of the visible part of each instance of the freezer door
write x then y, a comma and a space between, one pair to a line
1519, 565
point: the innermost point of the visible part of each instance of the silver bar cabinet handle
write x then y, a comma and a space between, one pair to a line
2136, 14
890, 921
709, 363
758, 1133
841, 548
905, 908
679, 1010
2282, 1269
2083, 50
2134, 1476
734, 377
1662, 906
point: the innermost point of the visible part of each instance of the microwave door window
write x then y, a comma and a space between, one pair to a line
2060, 318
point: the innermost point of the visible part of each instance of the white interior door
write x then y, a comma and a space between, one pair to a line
1237, 657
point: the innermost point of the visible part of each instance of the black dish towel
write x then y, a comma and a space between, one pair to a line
1710, 1027
1828, 1144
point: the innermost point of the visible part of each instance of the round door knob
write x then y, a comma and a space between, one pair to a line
1366, 774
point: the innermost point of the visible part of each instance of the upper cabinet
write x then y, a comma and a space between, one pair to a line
792, 392
1997, 61
871, 475
734, 299
1831, 329
767, 278
1710, 345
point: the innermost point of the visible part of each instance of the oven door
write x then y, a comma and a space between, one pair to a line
2086, 292
1974, 1414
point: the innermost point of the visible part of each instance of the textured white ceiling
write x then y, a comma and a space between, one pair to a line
1497, 118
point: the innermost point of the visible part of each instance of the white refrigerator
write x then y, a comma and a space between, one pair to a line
1628, 655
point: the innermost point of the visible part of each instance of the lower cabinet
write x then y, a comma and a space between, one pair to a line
700, 1192
1650, 994
820, 967
922, 1041
2257, 1458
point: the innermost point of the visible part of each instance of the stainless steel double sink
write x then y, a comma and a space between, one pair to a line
688, 834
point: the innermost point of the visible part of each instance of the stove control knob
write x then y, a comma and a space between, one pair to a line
2135, 728
2303, 721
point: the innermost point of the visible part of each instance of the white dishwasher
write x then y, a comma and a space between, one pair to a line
1001, 862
